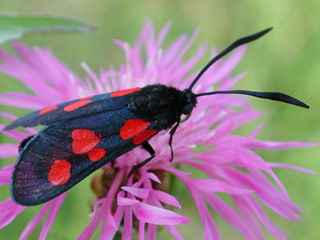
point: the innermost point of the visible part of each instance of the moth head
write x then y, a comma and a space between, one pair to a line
190, 103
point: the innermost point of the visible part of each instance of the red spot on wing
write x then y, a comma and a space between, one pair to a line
59, 172
84, 140
132, 128
48, 109
124, 92
144, 136
78, 104
97, 154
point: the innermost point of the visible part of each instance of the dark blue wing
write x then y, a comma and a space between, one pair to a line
64, 153
76, 108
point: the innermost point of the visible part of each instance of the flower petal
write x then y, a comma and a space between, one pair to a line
123, 201
210, 185
5, 174
8, 212
14, 134
127, 225
174, 232
97, 204
250, 207
151, 233
166, 198
274, 145
109, 232
22, 100
159, 216
142, 230
35, 221
291, 167
8, 150
210, 229
150, 175
52, 215
91, 227
229, 215
137, 192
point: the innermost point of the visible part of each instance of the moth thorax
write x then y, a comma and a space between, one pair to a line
160, 103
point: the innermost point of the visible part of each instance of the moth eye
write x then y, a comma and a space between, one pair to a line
187, 109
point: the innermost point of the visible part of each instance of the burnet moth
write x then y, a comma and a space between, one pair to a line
85, 134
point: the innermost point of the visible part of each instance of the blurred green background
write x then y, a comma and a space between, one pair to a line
286, 60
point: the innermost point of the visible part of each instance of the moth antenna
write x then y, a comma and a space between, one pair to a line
232, 46
276, 96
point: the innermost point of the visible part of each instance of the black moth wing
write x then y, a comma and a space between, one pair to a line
63, 154
76, 108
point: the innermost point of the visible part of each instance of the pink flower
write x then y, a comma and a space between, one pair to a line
228, 160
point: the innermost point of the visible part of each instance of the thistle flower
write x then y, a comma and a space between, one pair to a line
228, 161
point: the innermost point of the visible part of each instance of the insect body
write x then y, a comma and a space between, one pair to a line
83, 135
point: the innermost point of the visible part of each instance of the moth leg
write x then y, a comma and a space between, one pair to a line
172, 131
150, 150
112, 164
